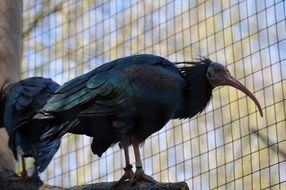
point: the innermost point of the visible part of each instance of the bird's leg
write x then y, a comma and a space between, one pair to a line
128, 169
139, 173
35, 178
23, 173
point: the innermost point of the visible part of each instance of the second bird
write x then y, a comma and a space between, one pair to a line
20, 102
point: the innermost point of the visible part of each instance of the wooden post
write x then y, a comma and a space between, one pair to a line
10, 57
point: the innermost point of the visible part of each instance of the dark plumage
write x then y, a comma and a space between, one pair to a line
20, 101
128, 99
106, 100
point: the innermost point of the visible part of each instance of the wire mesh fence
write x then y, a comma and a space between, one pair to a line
228, 146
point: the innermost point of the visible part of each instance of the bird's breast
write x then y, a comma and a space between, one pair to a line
157, 90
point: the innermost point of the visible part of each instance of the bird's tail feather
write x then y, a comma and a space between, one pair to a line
58, 131
44, 152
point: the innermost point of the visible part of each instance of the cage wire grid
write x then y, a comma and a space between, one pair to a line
228, 146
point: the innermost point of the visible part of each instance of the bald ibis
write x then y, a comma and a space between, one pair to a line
128, 99
19, 103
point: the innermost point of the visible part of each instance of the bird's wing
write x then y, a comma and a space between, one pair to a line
102, 94
57, 131
106, 86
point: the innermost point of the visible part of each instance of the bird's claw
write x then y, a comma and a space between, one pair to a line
23, 174
35, 179
127, 175
140, 175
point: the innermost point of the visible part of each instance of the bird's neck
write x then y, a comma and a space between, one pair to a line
197, 95
192, 105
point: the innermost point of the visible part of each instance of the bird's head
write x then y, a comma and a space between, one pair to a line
218, 75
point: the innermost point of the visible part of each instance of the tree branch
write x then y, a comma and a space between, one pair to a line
11, 181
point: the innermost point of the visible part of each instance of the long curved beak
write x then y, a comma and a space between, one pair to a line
236, 84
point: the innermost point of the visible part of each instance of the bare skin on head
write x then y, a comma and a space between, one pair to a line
218, 75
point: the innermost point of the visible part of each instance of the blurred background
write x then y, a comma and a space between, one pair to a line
228, 146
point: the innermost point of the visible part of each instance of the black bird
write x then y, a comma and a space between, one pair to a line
128, 99
20, 102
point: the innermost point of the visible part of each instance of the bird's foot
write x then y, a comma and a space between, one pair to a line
127, 176
128, 173
24, 174
140, 175
34, 178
